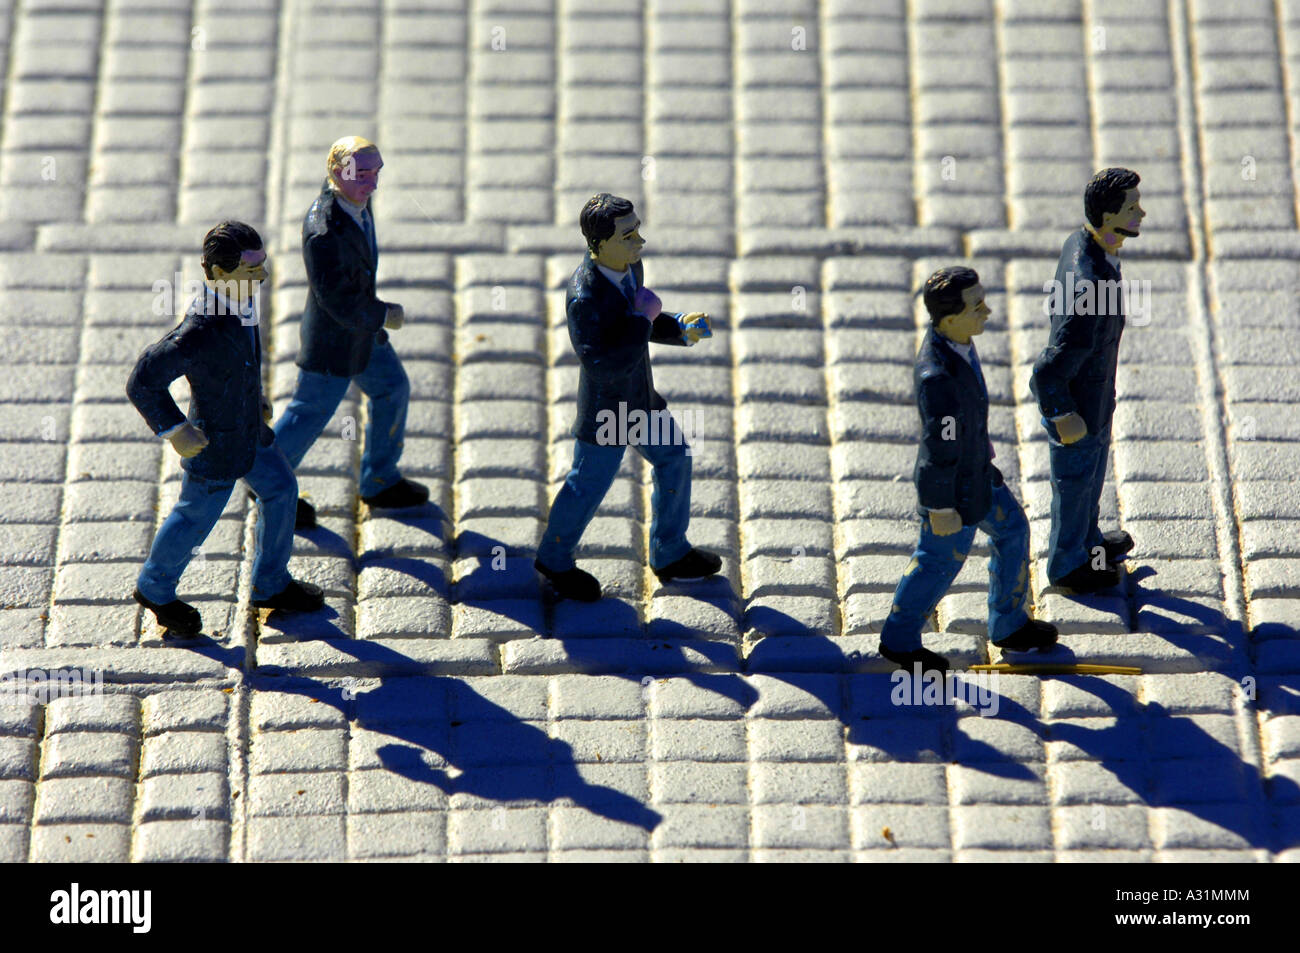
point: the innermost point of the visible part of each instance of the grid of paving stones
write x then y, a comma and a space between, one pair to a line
800, 167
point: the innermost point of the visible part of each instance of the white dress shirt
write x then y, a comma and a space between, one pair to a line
617, 276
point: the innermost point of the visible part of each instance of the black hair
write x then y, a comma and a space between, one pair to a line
943, 290
598, 215
225, 243
1105, 193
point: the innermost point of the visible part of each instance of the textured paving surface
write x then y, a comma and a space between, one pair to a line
800, 168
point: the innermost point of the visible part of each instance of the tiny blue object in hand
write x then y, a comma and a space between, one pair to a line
699, 324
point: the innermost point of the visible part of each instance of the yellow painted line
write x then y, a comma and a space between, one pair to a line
1081, 668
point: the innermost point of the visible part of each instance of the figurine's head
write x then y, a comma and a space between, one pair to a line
954, 298
610, 225
353, 165
234, 260
1111, 205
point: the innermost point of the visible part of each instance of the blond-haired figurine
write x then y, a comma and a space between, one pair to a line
343, 332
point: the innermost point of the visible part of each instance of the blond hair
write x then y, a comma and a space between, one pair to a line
343, 150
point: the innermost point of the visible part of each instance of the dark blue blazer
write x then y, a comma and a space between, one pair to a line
213, 352
1075, 373
612, 343
954, 463
342, 320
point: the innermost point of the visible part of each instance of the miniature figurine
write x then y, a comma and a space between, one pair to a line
958, 487
343, 336
612, 317
225, 436
1074, 382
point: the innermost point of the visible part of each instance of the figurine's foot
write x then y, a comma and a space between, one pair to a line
930, 661
572, 583
1033, 636
1085, 579
399, 496
295, 597
696, 564
1116, 544
181, 618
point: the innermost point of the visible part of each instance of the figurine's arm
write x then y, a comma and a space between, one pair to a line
665, 327
158, 366
666, 330
342, 298
606, 349
1060, 362
936, 482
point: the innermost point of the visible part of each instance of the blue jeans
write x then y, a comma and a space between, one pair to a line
316, 398
198, 510
1078, 475
593, 472
937, 561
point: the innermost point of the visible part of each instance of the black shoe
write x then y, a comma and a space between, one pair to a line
1033, 636
1085, 579
696, 564
930, 661
304, 518
1116, 543
295, 597
399, 496
572, 584
180, 618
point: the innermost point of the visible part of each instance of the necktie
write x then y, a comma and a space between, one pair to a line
629, 286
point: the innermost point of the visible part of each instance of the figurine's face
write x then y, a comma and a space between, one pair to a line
241, 284
1126, 223
358, 177
624, 246
970, 320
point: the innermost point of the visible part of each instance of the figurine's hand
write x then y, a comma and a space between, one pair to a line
945, 522
647, 302
693, 335
1071, 428
266, 409
393, 320
188, 440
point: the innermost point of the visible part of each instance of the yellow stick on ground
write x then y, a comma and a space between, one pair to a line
1081, 668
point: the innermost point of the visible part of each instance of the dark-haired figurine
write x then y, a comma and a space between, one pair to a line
224, 437
343, 336
1074, 381
612, 318
958, 487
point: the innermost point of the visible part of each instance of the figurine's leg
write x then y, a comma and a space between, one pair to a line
1074, 467
670, 502
934, 566
273, 481
314, 401
593, 472
1098, 484
1008, 532
180, 536
385, 383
